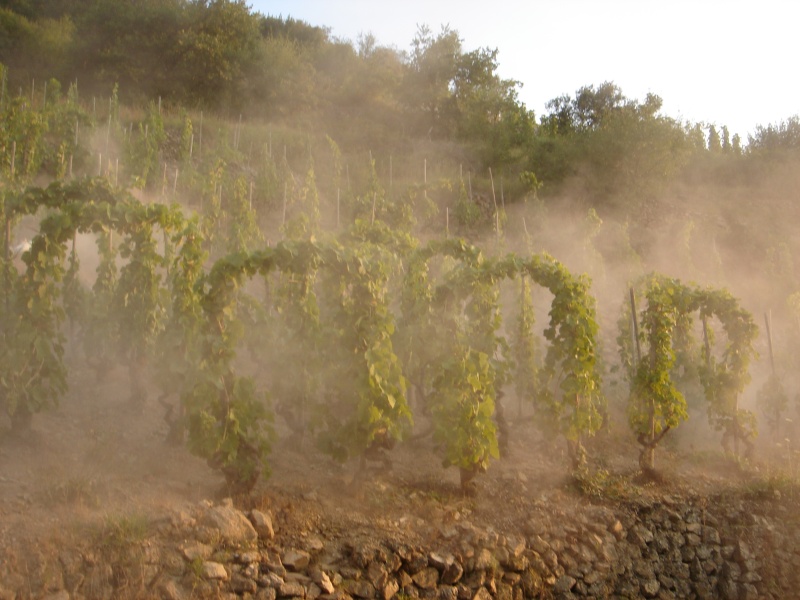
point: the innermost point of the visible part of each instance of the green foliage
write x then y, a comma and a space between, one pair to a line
462, 408
143, 151
656, 405
523, 346
773, 402
569, 393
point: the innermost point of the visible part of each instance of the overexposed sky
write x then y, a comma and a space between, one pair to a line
731, 62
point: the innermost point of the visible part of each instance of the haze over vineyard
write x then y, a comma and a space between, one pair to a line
241, 237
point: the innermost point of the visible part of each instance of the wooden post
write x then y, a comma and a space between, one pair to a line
175, 182
8, 240
283, 224
768, 323
7, 266
70, 166
494, 197
3, 88
191, 146
635, 330
99, 164
236, 134
425, 177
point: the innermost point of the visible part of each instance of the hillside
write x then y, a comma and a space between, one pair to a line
284, 316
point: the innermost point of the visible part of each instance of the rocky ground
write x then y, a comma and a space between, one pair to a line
94, 504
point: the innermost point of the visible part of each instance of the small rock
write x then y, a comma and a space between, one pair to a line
247, 558
390, 589
241, 584
426, 578
360, 589
617, 530
214, 570
296, 560
452, 573
564, 584
266, 594
448, 593
262, 523
322, 580
482, 594
196, 550
650, 587
290, 589
377, 574
231, 524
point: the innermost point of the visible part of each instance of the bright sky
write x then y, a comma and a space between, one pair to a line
726, 62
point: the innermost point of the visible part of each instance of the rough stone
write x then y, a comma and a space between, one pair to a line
426, 579
322, 579
650, 588
390, 589
214, 570
452, 573
197, 550
296, 560
291, 589
482, 594
564, 584
241, 584
262, 523
231, 525
359, 589
266, 594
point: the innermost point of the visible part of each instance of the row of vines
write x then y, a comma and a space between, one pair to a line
356, 334
343, 329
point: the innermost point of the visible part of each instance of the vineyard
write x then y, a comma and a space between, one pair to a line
265, 293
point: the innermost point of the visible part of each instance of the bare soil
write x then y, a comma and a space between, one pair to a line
96, 459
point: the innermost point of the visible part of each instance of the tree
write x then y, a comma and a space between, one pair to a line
714, 140
624, 150
217, 52
432, 67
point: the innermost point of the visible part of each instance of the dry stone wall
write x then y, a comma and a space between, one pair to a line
735, 549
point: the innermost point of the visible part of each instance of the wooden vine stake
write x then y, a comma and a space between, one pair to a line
425, 177
768, 324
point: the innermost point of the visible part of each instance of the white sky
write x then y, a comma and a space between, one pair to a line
731, 62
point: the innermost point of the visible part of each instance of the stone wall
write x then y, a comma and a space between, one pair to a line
729, 548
